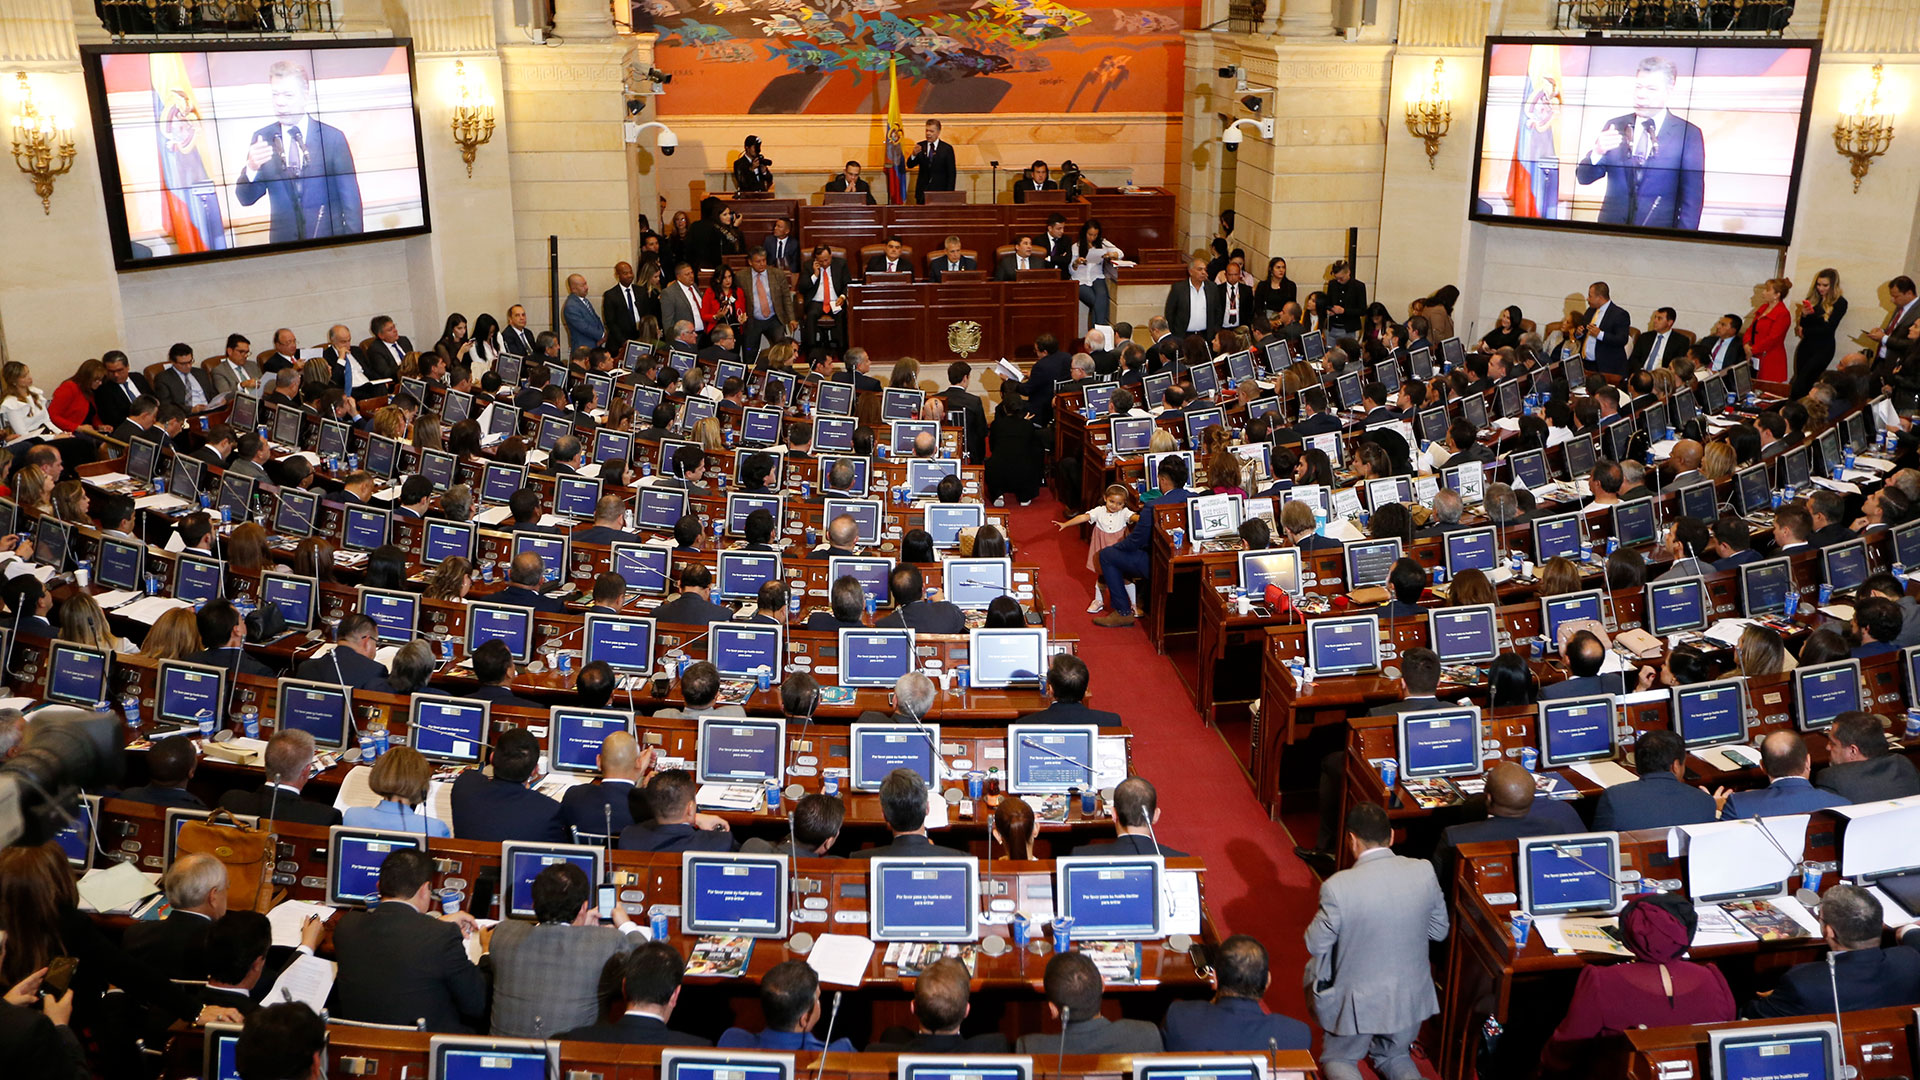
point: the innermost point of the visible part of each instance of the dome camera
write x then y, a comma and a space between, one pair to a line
669, 142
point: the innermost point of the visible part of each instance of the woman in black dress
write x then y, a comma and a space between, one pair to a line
1013, 452
1820, 315
1277, 290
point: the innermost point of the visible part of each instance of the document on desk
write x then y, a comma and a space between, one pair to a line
308, 979
290, 917
148, 609
841, 959
1605, 773
1713, 926
1183, 902
1882, 841
1110, 761
115, 888
1729, 857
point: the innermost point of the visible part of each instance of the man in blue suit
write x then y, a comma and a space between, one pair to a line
505, 808
1234, 1019
1789, 790
1585, 655
1660, 798
1512, 812
604, 807
304, 167
1653, 161
1131, 557
583, 323
1865, 975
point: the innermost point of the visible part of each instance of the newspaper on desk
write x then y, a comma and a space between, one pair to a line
355, 791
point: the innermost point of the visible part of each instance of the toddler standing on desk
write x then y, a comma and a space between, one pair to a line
1110, 523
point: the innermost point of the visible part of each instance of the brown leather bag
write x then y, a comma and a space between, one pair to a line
246, 851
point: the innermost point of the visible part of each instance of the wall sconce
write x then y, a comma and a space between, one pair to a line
42, 145
1865, 129
1430, 115
472, 113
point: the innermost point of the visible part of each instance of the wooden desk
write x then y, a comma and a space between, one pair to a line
1136, 222
982, 227
1877, 1042
914, 320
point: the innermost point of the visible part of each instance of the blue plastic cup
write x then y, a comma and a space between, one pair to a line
1062, 933
1529, 758
659, 926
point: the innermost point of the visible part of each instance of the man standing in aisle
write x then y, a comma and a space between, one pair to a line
584, 327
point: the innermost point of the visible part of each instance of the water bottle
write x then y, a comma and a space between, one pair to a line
793, 604
130, 706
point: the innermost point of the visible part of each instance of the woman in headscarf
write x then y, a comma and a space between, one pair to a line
1657, 988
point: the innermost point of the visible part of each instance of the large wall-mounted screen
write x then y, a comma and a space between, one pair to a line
1644, 136
238, 150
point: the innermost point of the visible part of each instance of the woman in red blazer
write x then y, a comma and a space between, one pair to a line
72, 408
723, 301
1766, 333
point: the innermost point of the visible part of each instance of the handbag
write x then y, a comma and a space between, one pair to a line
245, 850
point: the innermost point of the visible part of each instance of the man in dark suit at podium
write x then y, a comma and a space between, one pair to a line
1653, 161
1024, 256
935, 160
951, 260
849, 180
304, 167
893, 260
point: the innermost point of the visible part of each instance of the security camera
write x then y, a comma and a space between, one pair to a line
669, 142
635, 106
1232, 138
1252, 102
1228, 72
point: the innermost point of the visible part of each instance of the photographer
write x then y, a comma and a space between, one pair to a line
751, 172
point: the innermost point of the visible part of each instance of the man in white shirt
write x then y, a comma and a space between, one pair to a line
1893, 338
1725, 348
1187, 301
514, 337
680, 301
1659, 344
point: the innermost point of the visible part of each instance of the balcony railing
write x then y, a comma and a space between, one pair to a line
1768, 17
215, 18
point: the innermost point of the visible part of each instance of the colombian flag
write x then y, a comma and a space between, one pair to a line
1533, 180
190, 204
896, 156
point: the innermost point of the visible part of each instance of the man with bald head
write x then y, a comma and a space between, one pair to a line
620, 308
1683, 464
603, 806
524, 578
843, 536
285, 354
1512, 812
1789, 790
942, 997
584, 328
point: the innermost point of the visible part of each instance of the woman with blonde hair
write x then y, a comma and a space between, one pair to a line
1162, 442
83, 620
70, 502
1766, 332
1819, 321
1762, 652
707, 434
390, 421
22, 406
451, 581
175, 636
1718, 460
32, 491
1559, 577
780, 355
401, 778
906, 374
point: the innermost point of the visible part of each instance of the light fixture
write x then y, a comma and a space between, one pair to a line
1430, 115
42, 145
1865, 130
472, 113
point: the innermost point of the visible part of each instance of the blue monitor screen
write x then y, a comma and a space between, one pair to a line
1570, 875
575, 496
448, 729
1472, 549
1824, 691
1845, 564
602, 387
445, 540
643, 566
924, 474
1050, 759
1708, 714
1796, 467
900, 404
575, 738
1754, 489
457, 407
501, 622
760, 427
551, 547
294, 595
1441, 742
333, 438
1199, 420
196, 579
1559, 609
1558, 537
1131, 434
319, 709
1530, 468
1675, 606
1906, 544
1111, 899
504, 420
142, 457
1576, 729
743, 572
945, 521
366, 528
740, 505
1100, 398
382, 452
1764, 586
1699, 501
739, 751
869, 572
286, 425
1633, 522
1807, 1055
834, 434
76, 838
646, 399
499, 482
609, 444
494, 1063
186, 694
739, 649
1342, 646
1006, 657
972, 584
660, 508
294, 514
878, 749
874, 657
695, 410
122, 564
185, 477
623, 642
906, 431
862, 466
1464, 635
525, 864
397, 614
355, 862
732, 896
221, 1055
552, 428
1280, 566
864, 512
1369, 562
924, 900
834, 399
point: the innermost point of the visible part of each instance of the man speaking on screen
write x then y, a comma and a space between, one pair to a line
303, 166
1652, 160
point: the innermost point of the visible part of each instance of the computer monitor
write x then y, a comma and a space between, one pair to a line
1764, 586
897, 403
218, 1054
1473, 409
555, 551
1343, 644
1752, 491
1654, 420
1469, 478
1440, 742
186, 693
972, 584
1570, 874
1099, 398
1199, 420
366, 527
741, 750
503, 420
741, 573
862, 468
723, 893
498, 482
1255, 570
441, 540
623, 642
1699, 501
383, 454
946, 521
1464, 635
575, 734
1810, 1050
143, 457
740, 505
1712, 713
1153, 389
1577, 729
928, 898
183, 479
1130, 435
287, 420
660, 508
1567, 607
521, 862
906, 431
1154, 459
457, 406
874, 656
1383, 490
741, 649
760, 428
868, 514
449, 729
1844, 565
1044, 759
696, 409
871, 573
293, 514
643, 566
877, 749
1347, 389
1007, 657
1471, 549
1676, 605
1822, 692
1529, 468
1633, 522
460, 1057
198, 579
121, 564
321, 709
334, 437
245, 413
396, 614
1370, 562
1279, 355
353, 862
601, 386
575, 496
1796, 467
609, 444
1562, 536
924, 474
834, 434
506, 623
1119, 897
295, 596
833, 398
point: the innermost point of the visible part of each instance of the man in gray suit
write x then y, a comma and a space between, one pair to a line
546, 973
237, 371
1073, 989
680, 300
1370, 981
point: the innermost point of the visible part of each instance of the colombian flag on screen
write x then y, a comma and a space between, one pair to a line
1533, 180
189, 200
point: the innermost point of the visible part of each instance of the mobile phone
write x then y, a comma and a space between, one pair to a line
59, 975
609, 896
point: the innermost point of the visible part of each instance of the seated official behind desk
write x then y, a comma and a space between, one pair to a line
289, 762
942, 998
397, 964
1073, 987
546, 973
790, 1001
504, 807
1862, 765
604, 807
650, 989
675, 825
350, 662
815, 821
401, 778
494, 669
1234, 1019
1584, 655
846, 599
1866, 975
170, 765
699, 685
1513, 811
903, 803
1067, 678
176, 946
1784, 758
1136, 814
694, 606
910, 610
1661, 798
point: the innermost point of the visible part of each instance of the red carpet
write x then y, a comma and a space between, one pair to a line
1254, 884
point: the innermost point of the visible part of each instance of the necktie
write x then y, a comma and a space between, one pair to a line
297, 158
632, 312
1023, 263
693, 304
826, 290
1643, 142
762, 305
1233, 305
127, 388
346, 373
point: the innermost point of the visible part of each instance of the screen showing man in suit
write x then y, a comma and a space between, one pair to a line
1633, 136
219, 152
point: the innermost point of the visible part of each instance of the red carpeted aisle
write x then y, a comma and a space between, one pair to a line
1255, 885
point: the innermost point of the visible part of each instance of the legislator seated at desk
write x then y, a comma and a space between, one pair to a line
350, 662
895, 259
504, 807
1863, 766
398, 964
1073, 987
675, 825
699, 685
170, 764
1661, 798
1136, 816
176, 946
903, 803
693, 607
1783, 757
401, 778
1067, 678
494, 669
604, 807
941, 1001
608, 515
289, 761
1585, 655
1512, 812
225, 634
650, 989
546, 972
909, 609
790, 1001
846, 600
848, 180
524, 577
1234, 1019
1866, 975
